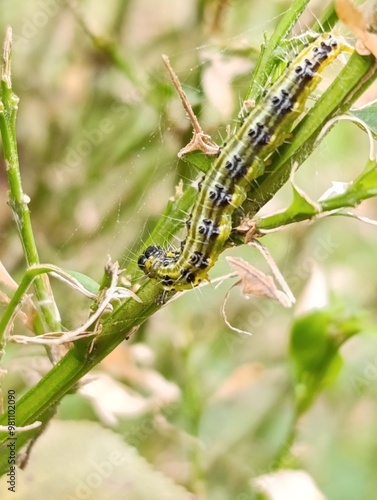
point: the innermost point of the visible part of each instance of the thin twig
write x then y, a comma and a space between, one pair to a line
6, 75
200, 140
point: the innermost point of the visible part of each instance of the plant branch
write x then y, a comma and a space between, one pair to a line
18, 200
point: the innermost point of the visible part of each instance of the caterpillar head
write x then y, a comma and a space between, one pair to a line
153, 260
152, 255
162, 267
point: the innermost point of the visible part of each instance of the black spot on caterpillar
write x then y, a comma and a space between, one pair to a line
225, 186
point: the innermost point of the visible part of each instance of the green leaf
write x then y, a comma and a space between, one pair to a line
314, 350
199, 160
368, 114
300, 209
267, 58
90, 462
310, 346
88, 283
362, 188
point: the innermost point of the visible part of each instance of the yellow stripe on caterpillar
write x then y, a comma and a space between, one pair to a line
226, 185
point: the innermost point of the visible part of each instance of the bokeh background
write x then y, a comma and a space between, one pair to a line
197, 410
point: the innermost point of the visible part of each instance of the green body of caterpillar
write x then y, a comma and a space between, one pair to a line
226, 185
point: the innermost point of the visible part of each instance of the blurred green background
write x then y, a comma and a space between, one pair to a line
99, 128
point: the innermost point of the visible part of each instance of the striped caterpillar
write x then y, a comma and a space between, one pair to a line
226, 185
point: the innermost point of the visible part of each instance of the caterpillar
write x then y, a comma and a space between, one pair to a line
225, 186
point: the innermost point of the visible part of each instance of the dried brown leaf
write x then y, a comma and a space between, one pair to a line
6, 278
255, 282
355, 20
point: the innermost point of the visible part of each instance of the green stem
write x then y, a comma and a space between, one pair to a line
106, 45
83, 356
283, 459
362, 188
267, 60
18, 200
357, 75
16, 300
327, 21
